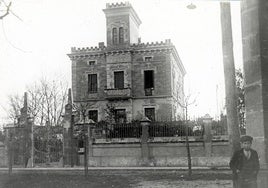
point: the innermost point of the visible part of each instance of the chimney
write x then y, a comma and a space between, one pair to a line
101, 44
168, 41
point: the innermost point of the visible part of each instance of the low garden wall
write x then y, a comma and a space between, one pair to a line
3, 155
160, 154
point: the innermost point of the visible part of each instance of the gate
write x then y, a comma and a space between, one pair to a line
19, 145
48, 146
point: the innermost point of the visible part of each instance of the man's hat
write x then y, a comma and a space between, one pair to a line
246, 138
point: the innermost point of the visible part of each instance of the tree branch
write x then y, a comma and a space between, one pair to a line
7, 11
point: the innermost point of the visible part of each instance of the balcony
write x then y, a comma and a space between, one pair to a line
124, 93
148, 91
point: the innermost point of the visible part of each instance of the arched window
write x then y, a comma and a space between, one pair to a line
114, 36
121, 35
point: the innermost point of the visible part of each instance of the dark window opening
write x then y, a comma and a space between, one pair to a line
121, 35
120, 116
148, 79
91, 62
93, 114
149, 58
148, 82
114, 35
92, 83
80, 143
150, 113
119, 80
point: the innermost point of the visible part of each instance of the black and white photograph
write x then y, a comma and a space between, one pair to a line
134, 94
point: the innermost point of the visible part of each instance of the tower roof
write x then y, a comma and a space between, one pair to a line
114, 9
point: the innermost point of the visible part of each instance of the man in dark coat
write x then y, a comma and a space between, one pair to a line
245, 165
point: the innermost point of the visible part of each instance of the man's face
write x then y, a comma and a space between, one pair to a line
246, 145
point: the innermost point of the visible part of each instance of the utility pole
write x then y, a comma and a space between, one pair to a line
229, 76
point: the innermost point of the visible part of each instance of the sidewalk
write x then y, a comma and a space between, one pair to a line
113, 168
119, 177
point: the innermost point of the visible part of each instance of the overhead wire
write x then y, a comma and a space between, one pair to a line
3, 28
6, 38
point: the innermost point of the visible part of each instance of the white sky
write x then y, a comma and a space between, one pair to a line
37, 46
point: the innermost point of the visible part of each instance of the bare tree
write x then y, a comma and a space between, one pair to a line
186, 105
81, 108
46, 100
15, 104
45, 104
54, 97
110, 113
6, 10
188, 101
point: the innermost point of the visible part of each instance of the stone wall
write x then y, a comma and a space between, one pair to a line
3, 155
254, 19
116, 22
161, 68
80, 71
161, 154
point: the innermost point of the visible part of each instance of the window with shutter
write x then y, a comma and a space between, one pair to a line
119, 80
121, 35
92, 83
114, 35
93, 114
148, 79
120, 115
150, 113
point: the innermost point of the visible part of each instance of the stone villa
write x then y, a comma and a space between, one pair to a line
136, 78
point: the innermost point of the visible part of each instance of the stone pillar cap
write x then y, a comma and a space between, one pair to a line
207, 116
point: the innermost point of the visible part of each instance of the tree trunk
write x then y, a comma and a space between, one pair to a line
229, 75
188, 146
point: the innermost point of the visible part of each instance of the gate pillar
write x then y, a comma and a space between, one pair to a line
254, 19
67, 133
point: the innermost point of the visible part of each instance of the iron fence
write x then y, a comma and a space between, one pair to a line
219, 128
173, 129
48, 145
119, 130
104, 130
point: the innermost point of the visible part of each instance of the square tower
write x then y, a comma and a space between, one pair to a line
122, 25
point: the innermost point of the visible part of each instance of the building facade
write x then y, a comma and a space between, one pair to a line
136, 79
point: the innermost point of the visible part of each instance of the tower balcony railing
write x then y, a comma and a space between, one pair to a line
115, 93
